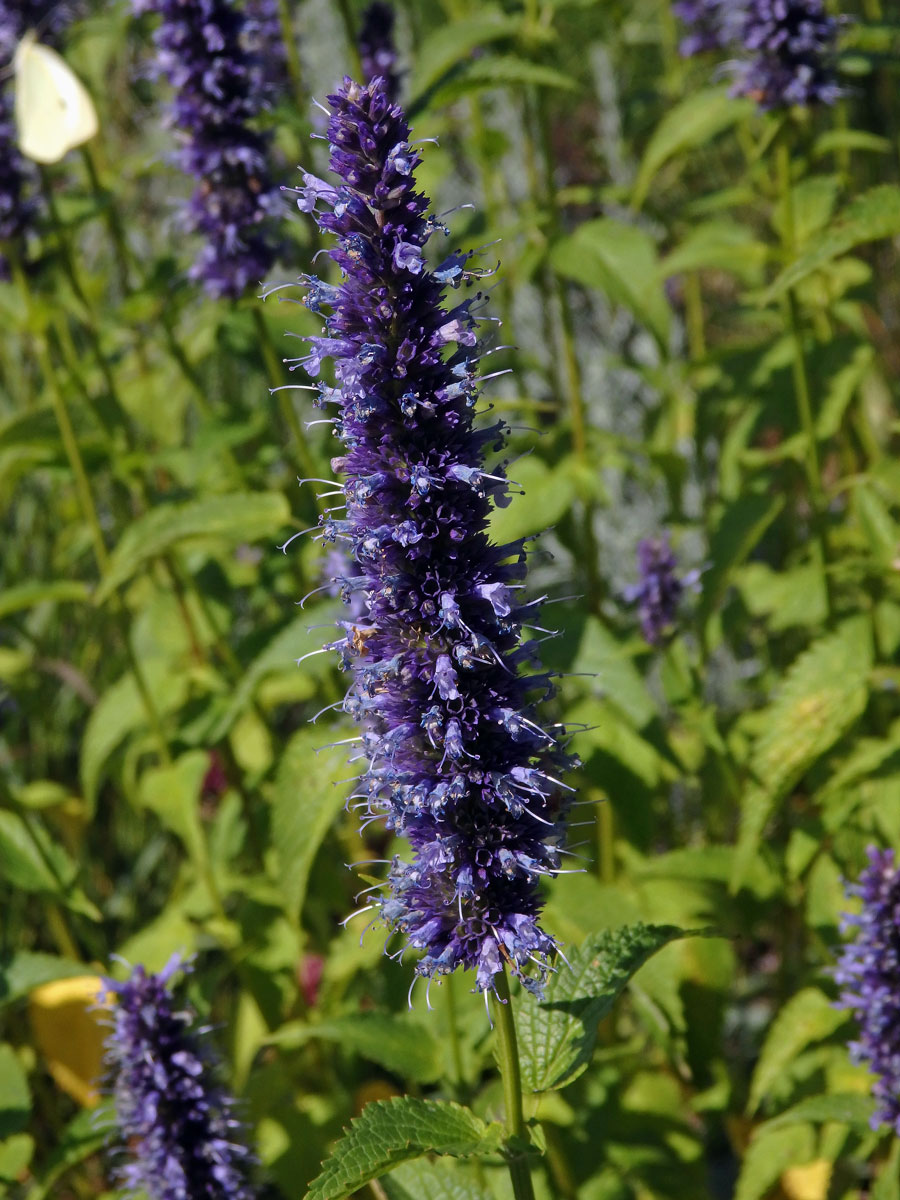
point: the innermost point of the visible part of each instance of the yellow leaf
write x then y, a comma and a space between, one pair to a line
809, 1182
67, 1025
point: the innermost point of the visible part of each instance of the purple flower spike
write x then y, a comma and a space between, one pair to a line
869, 970
660, 589
708, 23
203, 52
173, 1116
792, 45
458, 763
377, 52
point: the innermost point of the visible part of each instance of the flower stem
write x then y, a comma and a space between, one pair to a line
508, 1061
817, 496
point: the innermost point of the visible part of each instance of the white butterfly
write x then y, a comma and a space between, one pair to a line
54, 113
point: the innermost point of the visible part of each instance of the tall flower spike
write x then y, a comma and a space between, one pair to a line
708, 24
218, 92
792, 44
869, 971
659, 591
377, 52
457, 761
173, 1116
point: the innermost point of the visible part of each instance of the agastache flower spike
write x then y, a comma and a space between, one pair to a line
869, 971
660, 588
792, 45
707, 22
377, 52
457, 761
172, 1114
218, 91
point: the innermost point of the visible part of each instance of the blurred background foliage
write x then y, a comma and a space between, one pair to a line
676, 272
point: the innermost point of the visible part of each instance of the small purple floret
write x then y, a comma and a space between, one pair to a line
660, 589
707, 23
458, 763
869, 971
174, 1118
204, 54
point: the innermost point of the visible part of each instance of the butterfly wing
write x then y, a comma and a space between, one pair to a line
54, 112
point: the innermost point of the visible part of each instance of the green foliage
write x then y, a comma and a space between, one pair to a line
393, 1131
699, 308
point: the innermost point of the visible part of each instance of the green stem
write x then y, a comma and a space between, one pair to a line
453, 1028
812, 466
276, 379
693, 308
292, 56
508, 1061
350, 32
606, 859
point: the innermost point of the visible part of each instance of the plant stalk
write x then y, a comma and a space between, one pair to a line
508, 1061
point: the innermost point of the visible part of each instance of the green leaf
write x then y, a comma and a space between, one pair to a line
238, 517
823, 694
846, 1108
15, 1099
24, 970
172, 792
83, 1136
453, 41
809, 1016
771, 1154
557, 1034
878, 525
15, 1154
27, 595
305, 801
421, 1180
389, 1132
30, 860
400, 1044
887, 1185
722, 245
600, 652
621, 261
120, 711
495, 71
739, 530
281, 654
869, 217
693, 122
548, 495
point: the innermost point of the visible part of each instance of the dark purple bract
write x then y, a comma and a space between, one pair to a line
457, 761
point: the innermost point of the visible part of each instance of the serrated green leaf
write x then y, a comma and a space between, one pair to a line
172, 791
26, 595
693, 122
823, 694
809, 1016
621, 261
771, 1154
557, 1034
600, 652
868, 218
400, 1044
237, 517
305, 800
847, 1108
27, 969
389, 1132
421, 1180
